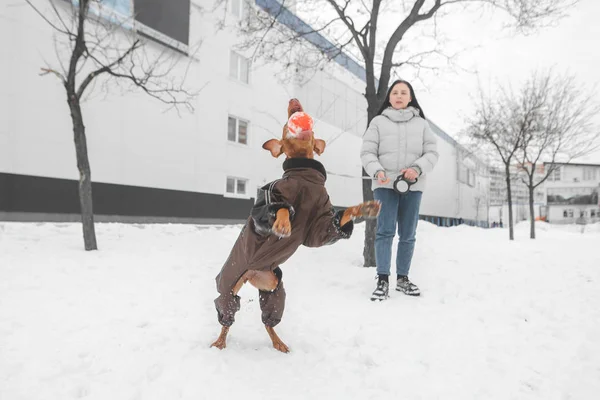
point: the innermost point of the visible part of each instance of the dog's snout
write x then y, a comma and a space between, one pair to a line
294, 106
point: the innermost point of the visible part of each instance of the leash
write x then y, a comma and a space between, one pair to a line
400, 185
350, 176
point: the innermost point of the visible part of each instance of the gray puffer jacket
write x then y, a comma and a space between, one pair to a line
399, 139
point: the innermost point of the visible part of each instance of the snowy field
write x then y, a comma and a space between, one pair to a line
134, 320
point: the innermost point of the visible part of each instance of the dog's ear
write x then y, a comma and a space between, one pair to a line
274, 146
319, 146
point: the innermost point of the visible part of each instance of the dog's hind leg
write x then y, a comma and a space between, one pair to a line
272, 303
277, 343
221, 341
229, 304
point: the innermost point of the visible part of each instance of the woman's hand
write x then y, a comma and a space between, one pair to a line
410, 174
382, 178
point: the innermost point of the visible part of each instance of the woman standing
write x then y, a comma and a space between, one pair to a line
398, 141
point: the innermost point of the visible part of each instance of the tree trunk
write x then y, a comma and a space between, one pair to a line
85, 175
531, 210
370, 225
511, 233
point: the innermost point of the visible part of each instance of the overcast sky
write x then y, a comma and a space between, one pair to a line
570, 46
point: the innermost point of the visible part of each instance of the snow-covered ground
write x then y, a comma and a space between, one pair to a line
134, 320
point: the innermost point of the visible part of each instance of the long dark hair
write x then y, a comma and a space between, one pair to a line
413, 99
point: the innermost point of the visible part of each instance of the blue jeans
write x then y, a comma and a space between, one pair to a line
401, 210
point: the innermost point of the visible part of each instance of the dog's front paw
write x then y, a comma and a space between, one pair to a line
282, 227
368, 209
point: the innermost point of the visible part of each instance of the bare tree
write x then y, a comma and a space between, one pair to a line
561, 128
91, 43
353, 27
497, 128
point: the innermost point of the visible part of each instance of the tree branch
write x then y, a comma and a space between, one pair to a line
105, 68
46, 71
397, 36
350, 25
65, 31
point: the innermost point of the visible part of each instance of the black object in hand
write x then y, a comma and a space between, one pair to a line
402, 185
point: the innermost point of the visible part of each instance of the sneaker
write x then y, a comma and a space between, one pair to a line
381, 291
407, 287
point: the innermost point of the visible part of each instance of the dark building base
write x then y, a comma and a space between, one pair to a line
448, 221
32, 198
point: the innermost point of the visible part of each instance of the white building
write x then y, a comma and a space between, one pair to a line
151, 165
572, 193
569, 195
458, 188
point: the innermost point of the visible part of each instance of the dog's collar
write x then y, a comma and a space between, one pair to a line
292, 163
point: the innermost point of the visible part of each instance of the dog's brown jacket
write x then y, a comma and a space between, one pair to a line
314, 224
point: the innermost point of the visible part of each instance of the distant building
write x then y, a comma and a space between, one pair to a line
499, 197
572, 193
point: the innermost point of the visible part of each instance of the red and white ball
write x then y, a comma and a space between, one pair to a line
300, 122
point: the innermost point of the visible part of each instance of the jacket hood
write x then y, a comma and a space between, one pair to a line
402, 115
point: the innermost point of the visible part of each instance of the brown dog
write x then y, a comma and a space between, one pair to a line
289, 212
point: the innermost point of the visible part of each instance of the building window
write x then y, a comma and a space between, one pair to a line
570, 213
565, 214
592, 213
239, 67
168, 24
237, 186
171, 19
122, 7
237, 130
589, 174
462, 173
471, 178
555, 175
